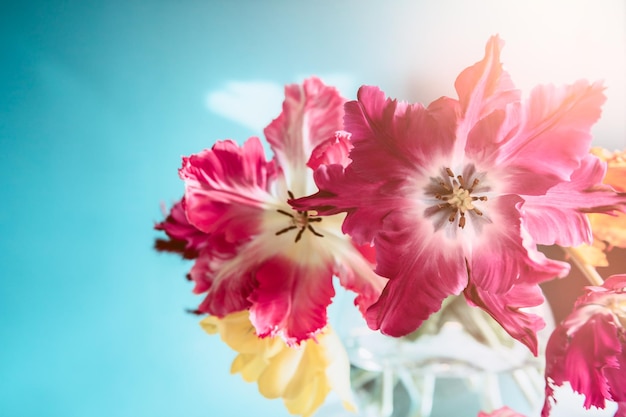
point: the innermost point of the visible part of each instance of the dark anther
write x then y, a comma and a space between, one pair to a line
299, 235
286, 213
315, 232
474, 184
285, 230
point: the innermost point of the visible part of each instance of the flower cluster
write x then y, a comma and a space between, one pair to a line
406, 205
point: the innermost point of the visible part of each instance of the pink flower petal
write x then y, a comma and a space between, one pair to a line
506, 309
482, 89
421, 276
559, 215
312, 113
593, 347
226, 280
384, 134
334, 150
226, 178
554, 134
226, 190
615, 283
291, 298
497, 268
184, 238
354, 266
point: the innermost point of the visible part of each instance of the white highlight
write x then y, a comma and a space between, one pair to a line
254, 104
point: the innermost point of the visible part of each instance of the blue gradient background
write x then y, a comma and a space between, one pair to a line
98, 101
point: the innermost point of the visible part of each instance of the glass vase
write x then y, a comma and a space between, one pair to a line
459, 362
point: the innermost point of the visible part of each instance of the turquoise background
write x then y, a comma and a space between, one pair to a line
98, 102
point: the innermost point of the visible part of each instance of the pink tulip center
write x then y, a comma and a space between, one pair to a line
456, 196
300, 221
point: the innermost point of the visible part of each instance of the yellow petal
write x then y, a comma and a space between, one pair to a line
610, 229
593, 254
249, 365
309, 399
235, 330
616, 167
274, 380
302, 376
210, 324
311, 368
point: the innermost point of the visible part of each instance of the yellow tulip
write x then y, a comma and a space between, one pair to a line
302, 376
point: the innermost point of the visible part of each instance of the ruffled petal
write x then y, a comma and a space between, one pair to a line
593, 347
615, 283
554, 135
312, 113
504, 277
227, 279
291, 298
496, 267
184, 238
555, 371
483, 88
392, 139
515, 258
227, 183
354, 266
335, 150
507, 309
560, 217
423, 271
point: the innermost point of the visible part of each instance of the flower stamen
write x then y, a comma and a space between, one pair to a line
455, 194
285, 230
299, 220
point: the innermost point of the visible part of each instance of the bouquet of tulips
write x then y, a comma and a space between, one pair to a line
406, 205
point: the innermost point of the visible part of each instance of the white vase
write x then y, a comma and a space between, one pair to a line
458, 363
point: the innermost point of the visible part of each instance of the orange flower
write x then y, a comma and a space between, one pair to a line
608, 230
